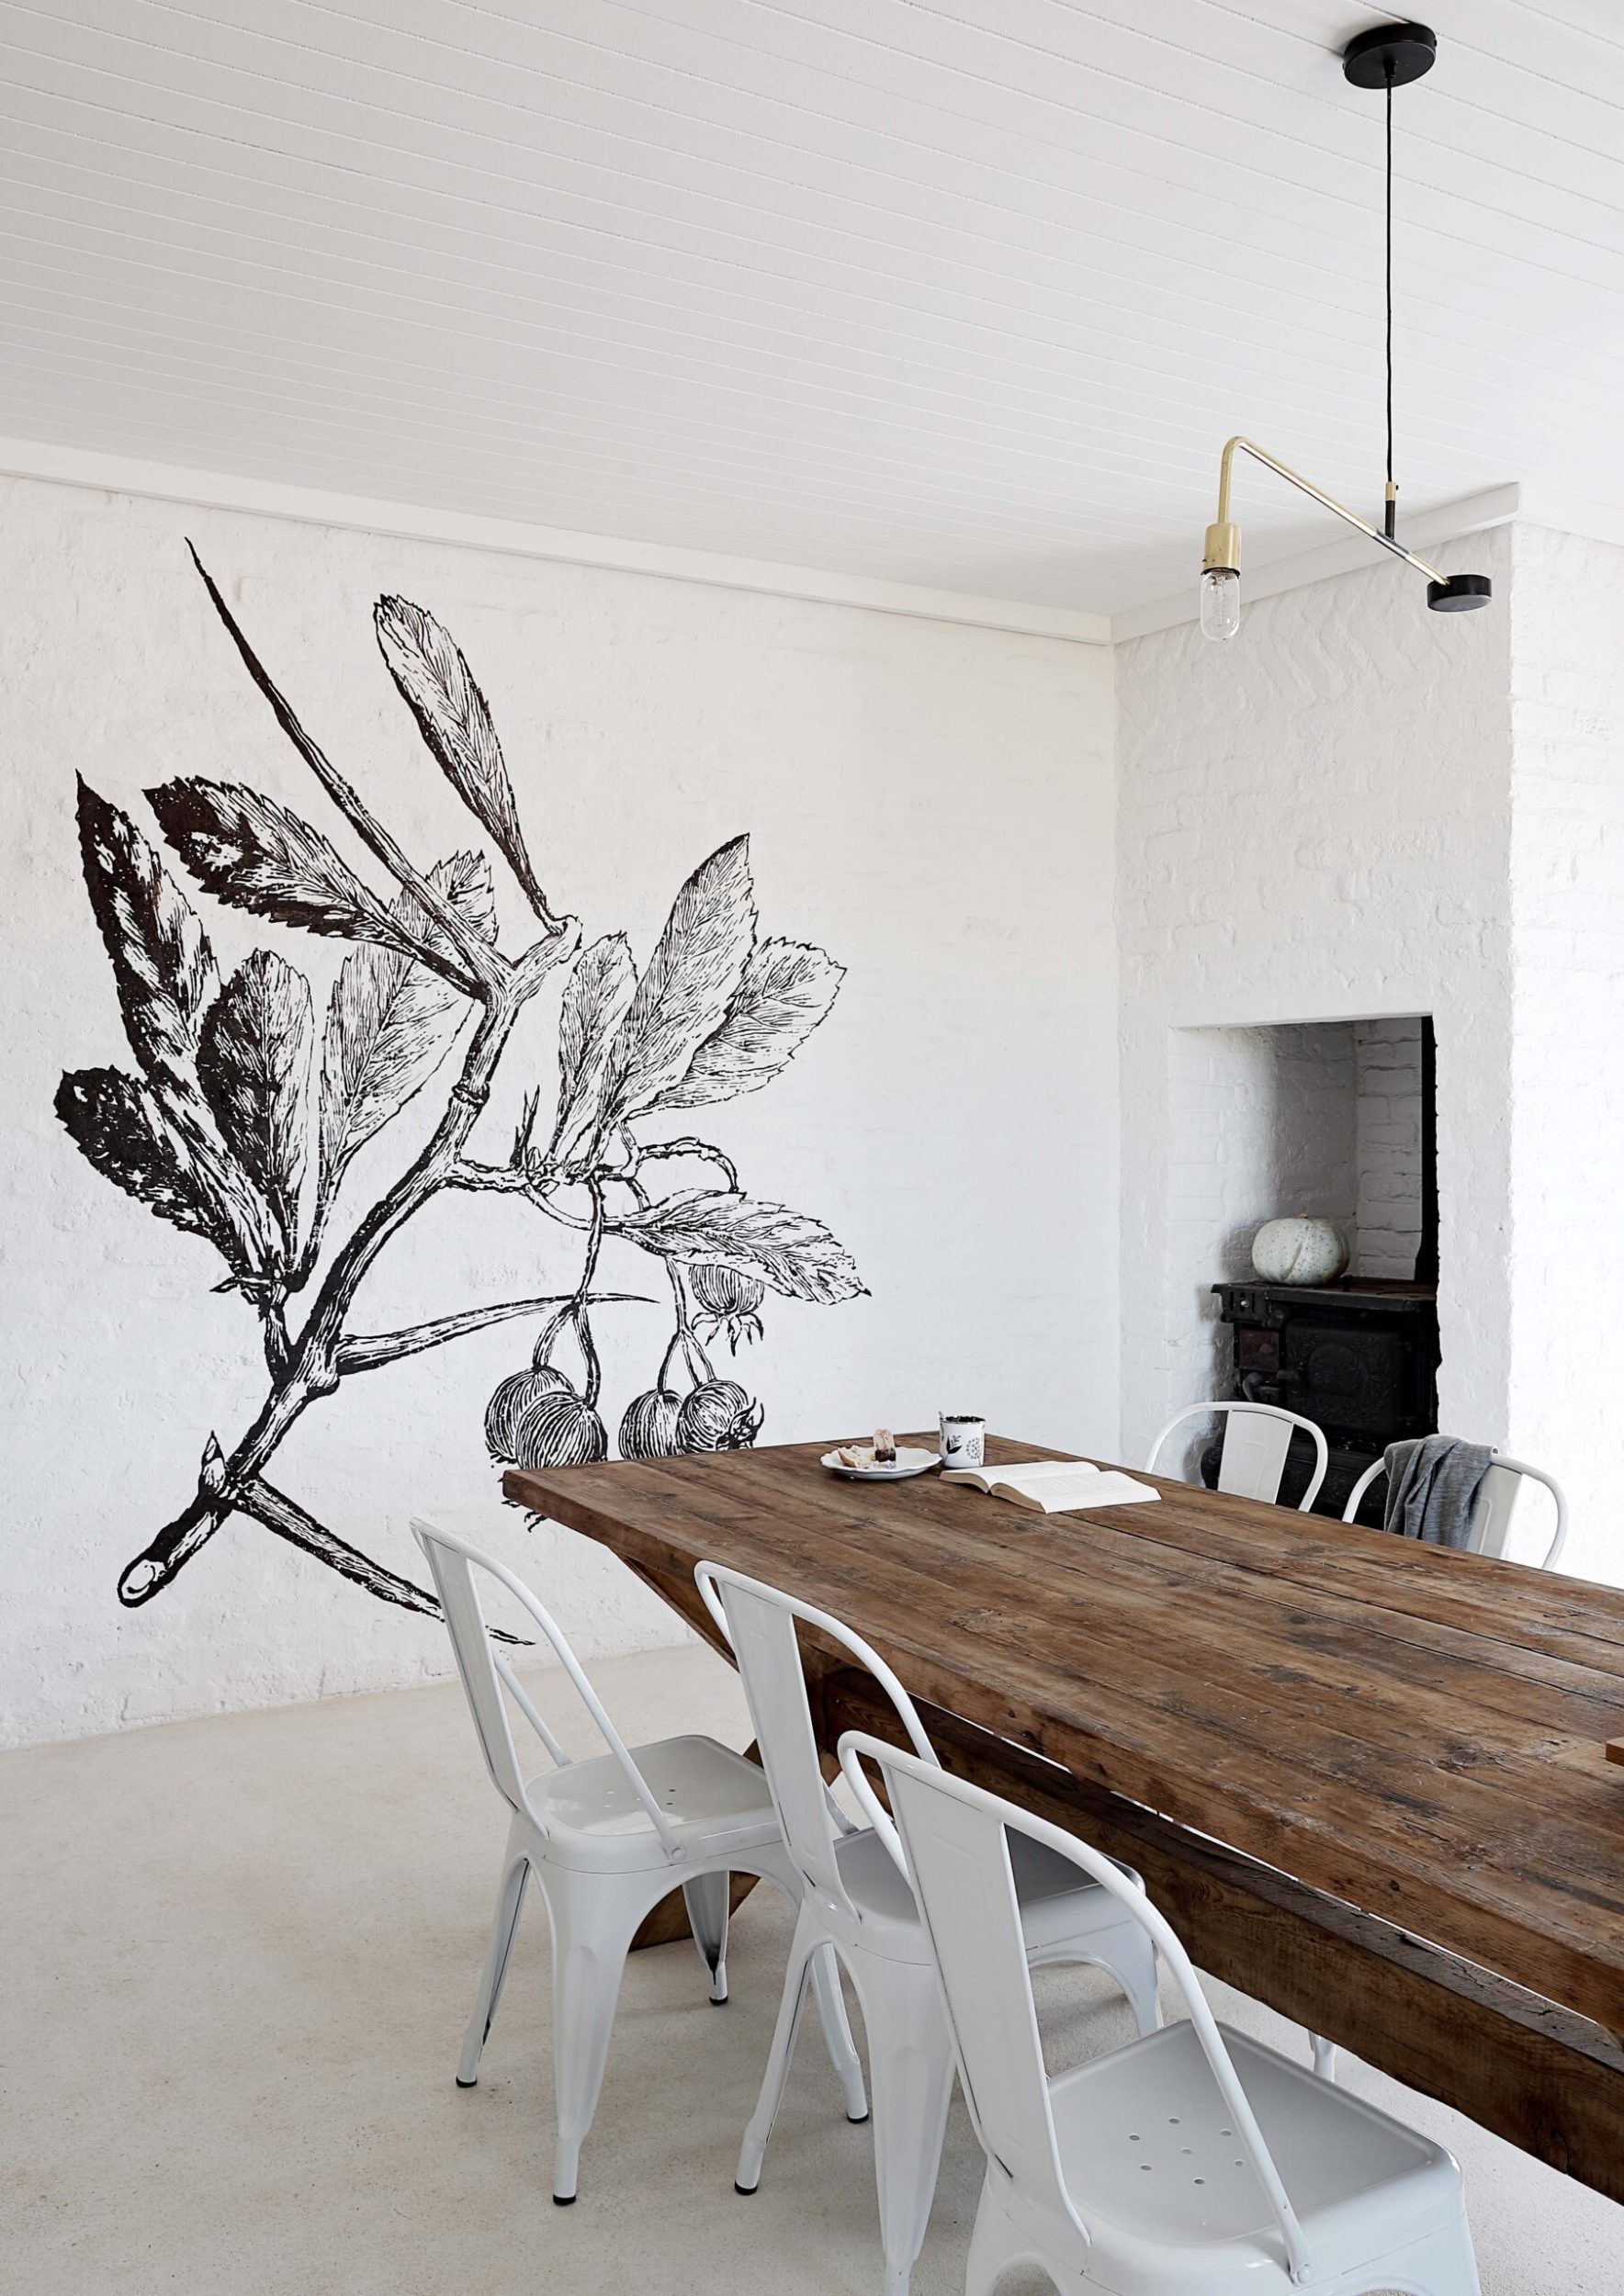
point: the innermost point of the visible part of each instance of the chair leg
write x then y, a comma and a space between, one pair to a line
510, 1899
910, 2072
594, 1917
837, 2031
826, 1985
992, 2246
1136, 1971
804, 1948
1325, 2056
1129, 1957
706, 1898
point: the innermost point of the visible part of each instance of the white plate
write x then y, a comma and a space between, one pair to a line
909, 1461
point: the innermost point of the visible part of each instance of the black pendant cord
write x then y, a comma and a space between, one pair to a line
1390, 508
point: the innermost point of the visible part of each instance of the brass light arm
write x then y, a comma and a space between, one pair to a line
1385, 56
1224, 539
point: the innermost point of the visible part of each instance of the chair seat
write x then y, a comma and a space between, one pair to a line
1153, 2165
715, 1800
1058, 1905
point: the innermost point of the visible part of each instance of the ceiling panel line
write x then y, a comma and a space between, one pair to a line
979, 423
348, 170
1235, 164
1062, 387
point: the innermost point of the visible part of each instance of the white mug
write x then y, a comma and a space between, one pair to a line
963, 1439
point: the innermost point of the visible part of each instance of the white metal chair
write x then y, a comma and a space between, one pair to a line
856, 1905
1193, 2162
605, 1839
1256, 1437
1491, 1509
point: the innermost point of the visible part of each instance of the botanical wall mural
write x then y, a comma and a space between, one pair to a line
243, 1113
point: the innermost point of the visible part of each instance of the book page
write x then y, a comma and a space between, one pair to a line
1022, 1473
1063, 1486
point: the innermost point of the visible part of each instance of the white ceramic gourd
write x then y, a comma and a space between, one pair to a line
1299, 1251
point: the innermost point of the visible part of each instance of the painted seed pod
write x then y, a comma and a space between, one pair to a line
729, 1300
719, 1416
559, 1430
648, 1430
509, 1404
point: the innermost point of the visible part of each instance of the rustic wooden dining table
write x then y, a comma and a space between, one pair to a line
1367, 1780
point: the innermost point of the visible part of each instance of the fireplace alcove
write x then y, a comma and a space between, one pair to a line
1335, 1119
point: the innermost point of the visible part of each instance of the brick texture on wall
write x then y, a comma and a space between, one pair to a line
1567, 1088
1315, 826
966, 1074
1387, 1215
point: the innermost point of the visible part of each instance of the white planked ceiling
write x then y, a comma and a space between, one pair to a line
965, 293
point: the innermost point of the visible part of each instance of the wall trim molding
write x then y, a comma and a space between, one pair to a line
1496, 506
265, 497
271, 498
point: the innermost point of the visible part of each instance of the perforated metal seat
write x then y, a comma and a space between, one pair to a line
712, 1799
1147, 2145
1193, 2162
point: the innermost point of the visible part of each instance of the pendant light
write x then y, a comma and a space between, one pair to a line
1388, 56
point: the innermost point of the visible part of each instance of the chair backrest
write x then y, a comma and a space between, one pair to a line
951, 1840
486, 1673
1256, 1437
760, 1622
1493, 1507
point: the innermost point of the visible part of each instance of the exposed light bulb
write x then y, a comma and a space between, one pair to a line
1221, 602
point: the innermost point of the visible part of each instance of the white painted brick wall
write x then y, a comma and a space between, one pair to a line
1315, 826
1387, 1218
932, 803
1567, 1096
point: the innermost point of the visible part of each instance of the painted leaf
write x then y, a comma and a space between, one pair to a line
257, 855
255, 1067
684, 996
595, 1000
391, 1022
164, 1158
788, 988
454, 719
163, 965
788, 1250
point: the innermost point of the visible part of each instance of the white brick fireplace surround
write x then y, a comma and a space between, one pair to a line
1358, 809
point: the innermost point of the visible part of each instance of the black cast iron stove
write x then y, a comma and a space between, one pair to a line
1359, 1356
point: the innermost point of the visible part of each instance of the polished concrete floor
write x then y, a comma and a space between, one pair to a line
237, 1954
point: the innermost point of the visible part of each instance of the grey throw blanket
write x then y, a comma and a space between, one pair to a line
1432, 1484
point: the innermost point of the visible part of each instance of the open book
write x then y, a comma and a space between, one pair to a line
1054, 1486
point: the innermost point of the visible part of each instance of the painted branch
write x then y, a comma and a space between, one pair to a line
699, 1148
311, 1369
503, 1179
278, 1513
369, 1351
482, 967
174, 1547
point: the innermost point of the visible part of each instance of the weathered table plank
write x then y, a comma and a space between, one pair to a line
1403, 1749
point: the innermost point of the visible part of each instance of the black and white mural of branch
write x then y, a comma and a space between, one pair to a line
243, 1107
